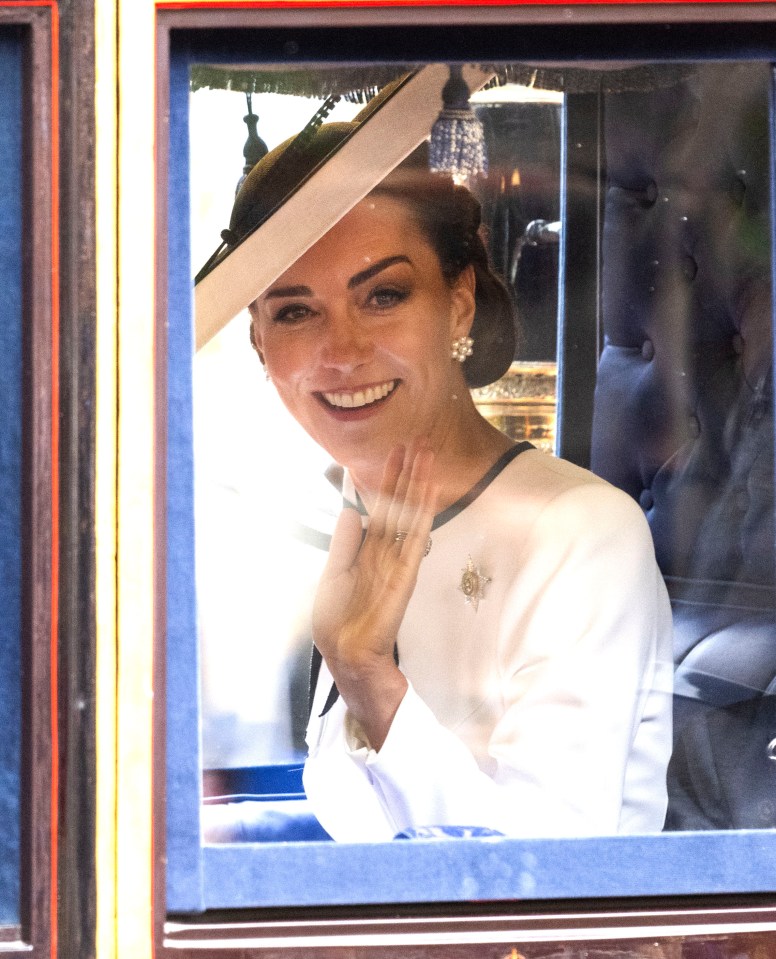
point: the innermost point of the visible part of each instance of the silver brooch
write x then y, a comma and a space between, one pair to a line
473, 583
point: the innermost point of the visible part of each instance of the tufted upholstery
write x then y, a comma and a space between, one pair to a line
683, 416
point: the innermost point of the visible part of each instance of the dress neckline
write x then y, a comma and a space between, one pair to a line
469, 496
481, 485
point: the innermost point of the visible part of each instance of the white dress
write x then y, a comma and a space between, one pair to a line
540, 704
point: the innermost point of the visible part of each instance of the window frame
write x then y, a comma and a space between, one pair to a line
304, 930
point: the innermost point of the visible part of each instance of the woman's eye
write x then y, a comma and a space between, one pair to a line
292, 313
386, 297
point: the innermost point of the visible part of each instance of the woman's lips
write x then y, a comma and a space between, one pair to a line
358, 399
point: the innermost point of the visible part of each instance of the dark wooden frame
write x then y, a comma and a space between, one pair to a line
458, 930
76, 866
40, 471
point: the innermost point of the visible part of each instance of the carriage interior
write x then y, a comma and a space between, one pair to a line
637, 239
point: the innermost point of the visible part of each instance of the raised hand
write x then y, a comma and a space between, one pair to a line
366, 586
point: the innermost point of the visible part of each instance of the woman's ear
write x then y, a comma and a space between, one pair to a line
463, 303
254, 331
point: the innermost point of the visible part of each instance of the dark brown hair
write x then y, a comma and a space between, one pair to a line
450, 218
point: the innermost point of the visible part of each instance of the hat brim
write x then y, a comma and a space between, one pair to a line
384, 137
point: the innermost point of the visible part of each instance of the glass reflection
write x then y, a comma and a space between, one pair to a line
683, 406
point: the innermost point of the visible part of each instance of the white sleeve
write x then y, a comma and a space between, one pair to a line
584, 661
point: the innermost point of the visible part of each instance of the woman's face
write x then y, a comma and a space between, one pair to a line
356, 335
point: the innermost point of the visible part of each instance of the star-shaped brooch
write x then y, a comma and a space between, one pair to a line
473, 583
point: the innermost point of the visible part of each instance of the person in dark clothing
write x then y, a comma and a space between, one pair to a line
722, 774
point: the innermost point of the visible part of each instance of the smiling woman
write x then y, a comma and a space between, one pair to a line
465, 635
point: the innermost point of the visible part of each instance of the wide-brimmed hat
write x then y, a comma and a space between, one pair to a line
278, 175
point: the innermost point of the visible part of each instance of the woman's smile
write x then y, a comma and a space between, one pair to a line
360, 398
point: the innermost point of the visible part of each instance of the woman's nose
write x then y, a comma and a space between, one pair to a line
345, 343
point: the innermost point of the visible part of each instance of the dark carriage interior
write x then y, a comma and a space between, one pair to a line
683, 410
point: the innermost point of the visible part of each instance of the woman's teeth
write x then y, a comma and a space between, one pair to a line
361, 397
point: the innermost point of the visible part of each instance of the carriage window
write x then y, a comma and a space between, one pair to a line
626, 212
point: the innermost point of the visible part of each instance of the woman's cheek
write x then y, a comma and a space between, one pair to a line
284, 355
291, 368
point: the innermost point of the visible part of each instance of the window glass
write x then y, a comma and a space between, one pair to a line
627, 210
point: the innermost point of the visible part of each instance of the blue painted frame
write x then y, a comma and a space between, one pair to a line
203, 877
184, 876
11, 475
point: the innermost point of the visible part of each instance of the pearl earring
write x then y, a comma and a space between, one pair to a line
461, 348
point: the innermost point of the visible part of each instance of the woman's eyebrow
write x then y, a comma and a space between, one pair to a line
281, 291
376, 268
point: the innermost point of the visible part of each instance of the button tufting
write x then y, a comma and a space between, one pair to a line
689, 267
693, 427
738, 344
645, 195
650, 194
647, 349
766, 810
646, 500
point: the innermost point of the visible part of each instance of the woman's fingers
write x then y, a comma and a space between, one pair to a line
392, 472
345, 543
405, 506
416, 512
368, 580
405, 487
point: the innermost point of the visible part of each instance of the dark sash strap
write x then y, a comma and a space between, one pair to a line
315, 667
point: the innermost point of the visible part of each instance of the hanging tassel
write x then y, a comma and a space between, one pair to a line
457, 137
255, 148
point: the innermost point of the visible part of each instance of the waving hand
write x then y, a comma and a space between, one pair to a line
366, 586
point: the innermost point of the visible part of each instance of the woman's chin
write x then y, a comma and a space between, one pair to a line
365, 454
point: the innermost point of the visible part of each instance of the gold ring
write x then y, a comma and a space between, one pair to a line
401, 535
